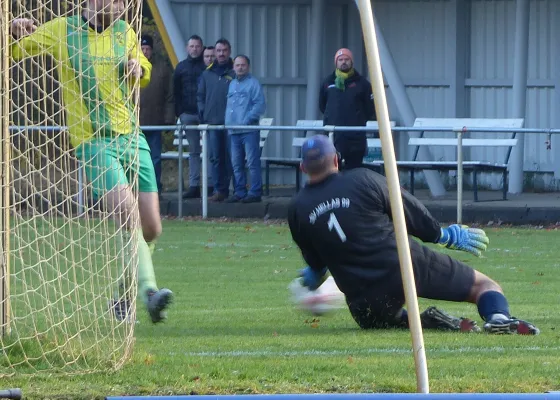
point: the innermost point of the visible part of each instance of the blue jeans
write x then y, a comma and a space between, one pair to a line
222, 171
154, 141
246, 144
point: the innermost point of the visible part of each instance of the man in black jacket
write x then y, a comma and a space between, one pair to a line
185, 80
346, 99
212, 100
342, 222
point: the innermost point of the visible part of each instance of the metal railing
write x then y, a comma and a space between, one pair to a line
329, 129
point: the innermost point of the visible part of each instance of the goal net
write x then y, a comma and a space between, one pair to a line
63, 255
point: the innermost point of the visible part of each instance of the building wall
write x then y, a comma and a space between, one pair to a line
455, 58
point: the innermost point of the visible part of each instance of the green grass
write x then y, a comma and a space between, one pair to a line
233, 329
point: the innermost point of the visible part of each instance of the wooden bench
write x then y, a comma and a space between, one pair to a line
483, 140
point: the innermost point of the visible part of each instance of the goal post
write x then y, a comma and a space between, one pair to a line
385, 134
4, 175
67, 261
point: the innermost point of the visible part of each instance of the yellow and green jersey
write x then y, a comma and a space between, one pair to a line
91, 71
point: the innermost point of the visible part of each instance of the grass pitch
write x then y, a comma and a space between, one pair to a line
232, 328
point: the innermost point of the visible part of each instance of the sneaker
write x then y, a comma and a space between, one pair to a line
121, 309
511, 326
234, 199
192, 193
217, 197
433, 318
158, 303
252, 199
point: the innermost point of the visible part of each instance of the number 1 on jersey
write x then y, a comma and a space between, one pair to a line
333, 223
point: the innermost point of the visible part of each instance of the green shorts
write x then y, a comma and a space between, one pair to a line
112, 161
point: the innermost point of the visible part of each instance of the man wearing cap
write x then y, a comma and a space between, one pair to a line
342, 223
156, 102
346, 99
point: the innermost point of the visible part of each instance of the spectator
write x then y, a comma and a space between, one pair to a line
245, 106
212, 100
346, 99
209, 55
185, 83
156, 103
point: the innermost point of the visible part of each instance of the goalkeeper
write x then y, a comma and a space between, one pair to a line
99, 66
342, 223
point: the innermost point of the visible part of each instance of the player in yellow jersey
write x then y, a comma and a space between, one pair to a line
99, 63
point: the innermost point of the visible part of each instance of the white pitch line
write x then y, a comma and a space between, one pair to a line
331, 353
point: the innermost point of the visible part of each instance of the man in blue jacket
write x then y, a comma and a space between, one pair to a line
212, 99
245, 106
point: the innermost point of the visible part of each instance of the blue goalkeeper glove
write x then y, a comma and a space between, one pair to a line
461, 237
313, 279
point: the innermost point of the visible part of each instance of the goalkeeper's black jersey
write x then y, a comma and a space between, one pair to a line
344, 222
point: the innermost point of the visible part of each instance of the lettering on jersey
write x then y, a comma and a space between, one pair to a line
327, 206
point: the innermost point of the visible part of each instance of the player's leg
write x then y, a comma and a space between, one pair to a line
109, 184
376, 309
441, 277
110, 164
493, 308
156, 300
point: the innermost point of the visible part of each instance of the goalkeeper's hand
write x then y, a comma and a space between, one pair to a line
313, 279
461, 237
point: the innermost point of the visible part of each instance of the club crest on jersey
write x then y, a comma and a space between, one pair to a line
120, 38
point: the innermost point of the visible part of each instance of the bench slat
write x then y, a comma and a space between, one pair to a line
465, 142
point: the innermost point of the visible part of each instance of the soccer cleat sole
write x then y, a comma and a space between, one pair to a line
515, 327
162, 298
433, 318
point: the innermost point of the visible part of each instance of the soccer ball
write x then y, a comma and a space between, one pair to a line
324, 300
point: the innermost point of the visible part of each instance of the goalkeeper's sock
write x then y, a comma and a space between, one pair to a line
146, 275
493, 305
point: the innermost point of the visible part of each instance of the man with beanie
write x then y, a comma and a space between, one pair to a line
156, 102
212, 100
346, 99
342, 223
185, 82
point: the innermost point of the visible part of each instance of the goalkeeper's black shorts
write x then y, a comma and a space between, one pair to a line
437, 276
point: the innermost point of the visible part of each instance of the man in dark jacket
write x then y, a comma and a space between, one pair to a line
342, 223
212, 100
185, 83
156, 102
346, 99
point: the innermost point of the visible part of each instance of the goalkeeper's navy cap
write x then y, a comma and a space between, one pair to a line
315, 148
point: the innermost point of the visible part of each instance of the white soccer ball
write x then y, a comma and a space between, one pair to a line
324, 300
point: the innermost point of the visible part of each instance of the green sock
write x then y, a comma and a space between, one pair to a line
146, 275
152, 246
123, 243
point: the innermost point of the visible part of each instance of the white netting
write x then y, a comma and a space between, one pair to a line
63, 252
